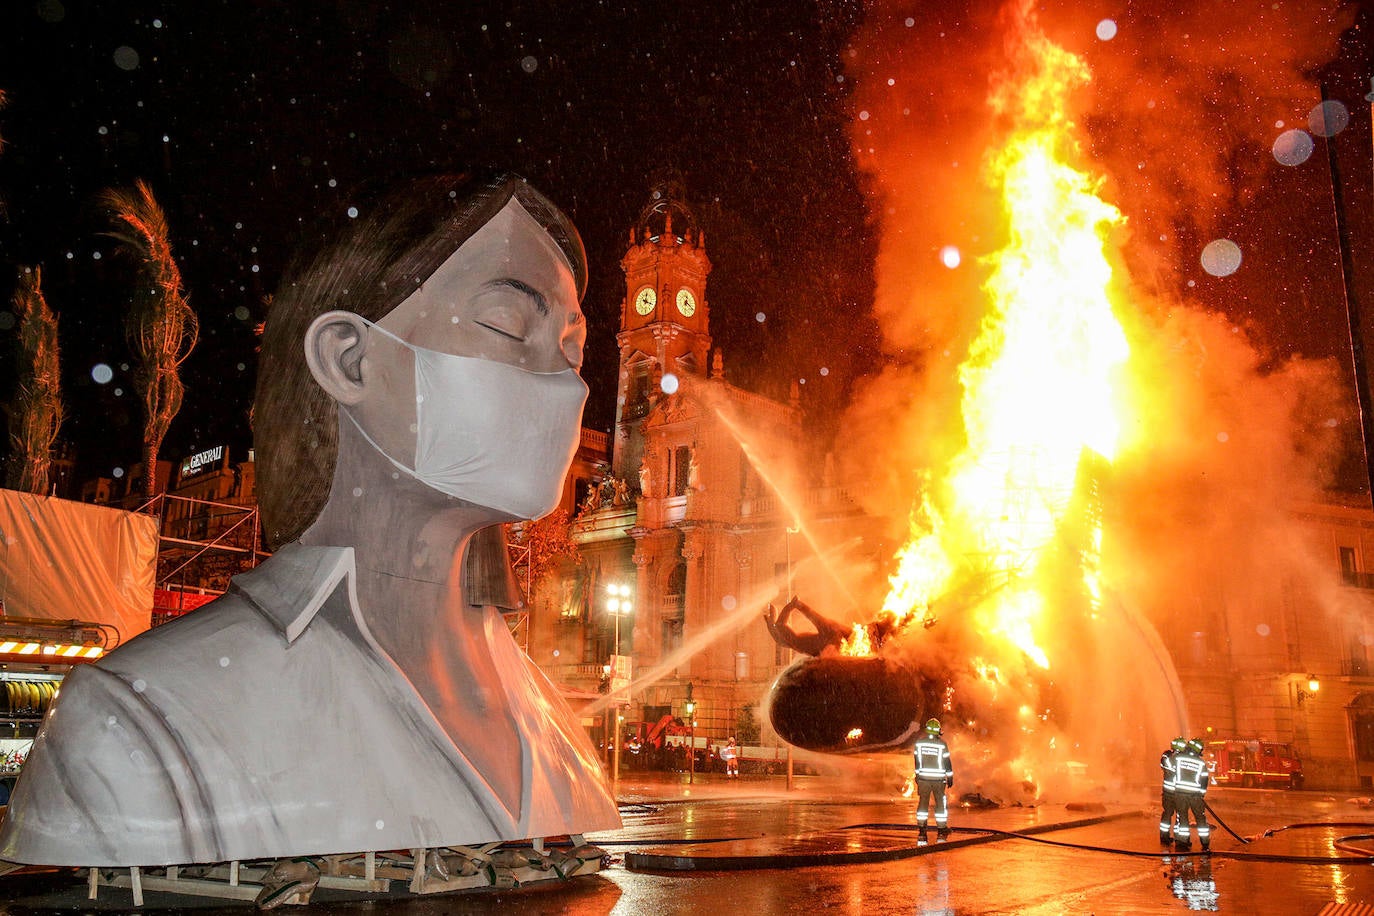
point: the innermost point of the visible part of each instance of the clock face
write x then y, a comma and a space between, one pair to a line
686, 302
645, 300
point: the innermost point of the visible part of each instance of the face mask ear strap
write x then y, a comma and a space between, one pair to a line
374, 326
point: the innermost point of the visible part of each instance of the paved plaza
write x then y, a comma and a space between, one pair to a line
753, 846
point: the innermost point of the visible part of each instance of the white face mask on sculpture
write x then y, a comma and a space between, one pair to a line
491, 433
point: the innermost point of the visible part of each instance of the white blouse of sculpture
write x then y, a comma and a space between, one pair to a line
344, 696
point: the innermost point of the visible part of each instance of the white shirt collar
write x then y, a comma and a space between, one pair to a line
290, 590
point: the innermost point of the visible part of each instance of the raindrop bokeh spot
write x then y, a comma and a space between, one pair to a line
1328, 119
1221, 257
1293, 147
126, 58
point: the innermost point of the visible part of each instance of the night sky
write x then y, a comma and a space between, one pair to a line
251, 118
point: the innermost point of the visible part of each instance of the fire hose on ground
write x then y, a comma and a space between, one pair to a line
1225, 826
1341, 842
1362, 857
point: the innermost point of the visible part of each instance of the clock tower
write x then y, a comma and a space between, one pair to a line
663, 319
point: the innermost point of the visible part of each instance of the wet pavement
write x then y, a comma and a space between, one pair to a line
753, 846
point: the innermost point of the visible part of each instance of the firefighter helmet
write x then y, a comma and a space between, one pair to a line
933, 726
1179, 744
1195, 746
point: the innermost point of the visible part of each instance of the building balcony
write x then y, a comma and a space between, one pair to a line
1357, 579
1352, 666
816, 501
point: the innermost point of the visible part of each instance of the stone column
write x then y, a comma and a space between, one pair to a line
693, 617
648, 607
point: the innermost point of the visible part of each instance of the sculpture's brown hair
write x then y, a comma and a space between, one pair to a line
399, 237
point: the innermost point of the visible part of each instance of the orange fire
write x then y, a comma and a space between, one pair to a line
1039, 380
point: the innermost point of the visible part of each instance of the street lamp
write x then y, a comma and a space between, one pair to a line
618, 604
1313, 685
791, 593
791, 530
690, 707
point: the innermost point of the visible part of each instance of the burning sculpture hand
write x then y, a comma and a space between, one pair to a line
829, 634
360, 690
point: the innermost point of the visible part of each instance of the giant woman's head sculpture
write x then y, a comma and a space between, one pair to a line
418, 386
397, 245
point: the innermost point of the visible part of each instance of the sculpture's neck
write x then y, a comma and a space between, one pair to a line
408, 543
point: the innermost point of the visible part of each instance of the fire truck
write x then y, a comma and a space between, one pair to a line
1251, 762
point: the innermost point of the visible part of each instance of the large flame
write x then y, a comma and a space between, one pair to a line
1038, 380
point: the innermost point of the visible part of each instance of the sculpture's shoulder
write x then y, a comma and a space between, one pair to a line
182, 647
100, 758
124, 743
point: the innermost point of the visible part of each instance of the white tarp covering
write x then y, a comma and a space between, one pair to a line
64, 560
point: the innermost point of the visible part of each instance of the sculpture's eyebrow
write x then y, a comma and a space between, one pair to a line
535, 295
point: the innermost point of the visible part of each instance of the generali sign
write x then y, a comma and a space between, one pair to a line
198, 462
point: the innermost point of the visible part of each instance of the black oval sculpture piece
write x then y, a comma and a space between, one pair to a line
818, 704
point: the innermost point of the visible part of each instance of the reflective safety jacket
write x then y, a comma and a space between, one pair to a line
1190, 774
932, 758
1166, 763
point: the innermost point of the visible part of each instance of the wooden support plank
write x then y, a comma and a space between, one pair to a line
360, 885
522, 876
417, 874
136, 882
193, 887
370, 865
92, 883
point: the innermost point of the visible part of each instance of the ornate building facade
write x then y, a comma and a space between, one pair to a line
685, 519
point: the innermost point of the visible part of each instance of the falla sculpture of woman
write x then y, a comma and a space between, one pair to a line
418, 385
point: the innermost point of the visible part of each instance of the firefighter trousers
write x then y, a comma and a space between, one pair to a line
1195, 802
1166, 813
930, 793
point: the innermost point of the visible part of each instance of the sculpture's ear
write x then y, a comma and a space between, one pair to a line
334, 346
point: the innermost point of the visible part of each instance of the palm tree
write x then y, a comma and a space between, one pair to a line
35, 413
161, 327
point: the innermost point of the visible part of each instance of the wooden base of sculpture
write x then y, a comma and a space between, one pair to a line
447, 869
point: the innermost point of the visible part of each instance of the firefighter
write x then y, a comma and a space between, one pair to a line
934, 773
1190, 794
1166, 793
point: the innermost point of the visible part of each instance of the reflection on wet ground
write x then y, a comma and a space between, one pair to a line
1113, 865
